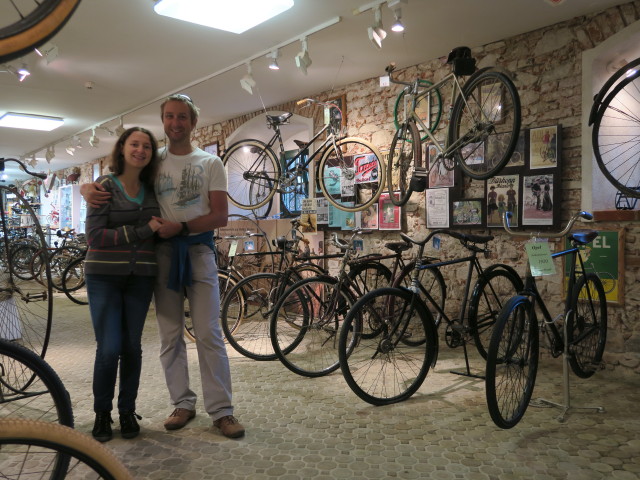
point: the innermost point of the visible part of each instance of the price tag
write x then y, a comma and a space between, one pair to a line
384, 81
540, 261
233, 247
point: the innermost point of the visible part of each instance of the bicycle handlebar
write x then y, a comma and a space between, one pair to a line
390, 69
506, 223
24, 167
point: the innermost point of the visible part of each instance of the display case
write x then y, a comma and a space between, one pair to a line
72, 208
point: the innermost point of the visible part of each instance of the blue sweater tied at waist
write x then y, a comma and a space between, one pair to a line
181, 273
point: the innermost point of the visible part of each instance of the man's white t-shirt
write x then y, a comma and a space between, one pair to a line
183, 183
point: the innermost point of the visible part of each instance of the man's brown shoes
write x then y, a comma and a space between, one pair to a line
229, 426
179, 418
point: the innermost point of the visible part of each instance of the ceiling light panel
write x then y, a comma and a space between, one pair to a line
236, 16
30, 122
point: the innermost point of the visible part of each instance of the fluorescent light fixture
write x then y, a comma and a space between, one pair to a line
376, 33
247, 82
303, 59
236, 16
30, 122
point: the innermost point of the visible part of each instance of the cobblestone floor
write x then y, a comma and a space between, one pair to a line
316, 428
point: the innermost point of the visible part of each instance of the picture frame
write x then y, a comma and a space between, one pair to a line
540, 193
502, 193
211, 148
341, 102
388, 213
439, 176
368, 219
543, 147
437, 207
468, 213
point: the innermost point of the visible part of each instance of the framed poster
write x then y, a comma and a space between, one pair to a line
330, 112
502, 196
439, 176
467, 213
388, 213
368, 219
543, 147
539, 199
604, 257
211, 148
437, 207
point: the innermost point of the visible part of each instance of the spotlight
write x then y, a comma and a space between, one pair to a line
33, 162
247, 82
70, 149
50, 154
94, 140
77, 142
397, 25
303, 60
48, 51
376, 33
120, 128
23, 72
274, 59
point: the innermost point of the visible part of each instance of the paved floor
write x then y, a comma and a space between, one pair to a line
318, 429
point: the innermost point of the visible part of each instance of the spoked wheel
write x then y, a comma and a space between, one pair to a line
352, 174
28, 24
25, 305
253, 173
73, 282
512, 362
428, 108
387, 367
405, 154
485, 124
587, 326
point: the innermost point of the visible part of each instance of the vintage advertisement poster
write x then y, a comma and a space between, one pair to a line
466, 213
537, 208
368, 219
366, 167
502, 196
388, 213
322, 211
438, 175
437, 208
308, 216
543, 147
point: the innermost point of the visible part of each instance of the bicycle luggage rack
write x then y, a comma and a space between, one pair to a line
543, 403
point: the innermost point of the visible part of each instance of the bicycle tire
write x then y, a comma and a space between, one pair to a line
305, 325
21, 259
26, 309
604, 90
73, 282
614, 136
587, 325
385, 369
428, 108
31, 29
339, 163
59, 260
30, 388
485, 124
46, 443
490, 293
405, 155
512, 362
264, 210
251, 162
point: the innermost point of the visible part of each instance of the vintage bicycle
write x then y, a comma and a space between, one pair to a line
578, 332
350, 171
482, 132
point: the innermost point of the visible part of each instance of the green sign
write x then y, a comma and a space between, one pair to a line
540, 261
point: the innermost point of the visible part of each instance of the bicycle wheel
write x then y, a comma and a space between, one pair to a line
30, 388
587, 326
492, 290
25, 309
428, 108
386, 368
614, 137
30, 24
251, 163
305, 325
512, 362
59, 260
485, 123
247, 310
405, 154
73, 282
351, 174
33, 449
20, 261
259, 191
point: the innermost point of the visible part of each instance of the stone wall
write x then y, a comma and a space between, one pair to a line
546, 68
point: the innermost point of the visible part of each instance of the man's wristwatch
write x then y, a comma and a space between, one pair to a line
185, 229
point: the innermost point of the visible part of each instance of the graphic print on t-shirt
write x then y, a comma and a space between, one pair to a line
187, 192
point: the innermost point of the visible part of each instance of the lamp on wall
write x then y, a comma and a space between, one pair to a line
376, 33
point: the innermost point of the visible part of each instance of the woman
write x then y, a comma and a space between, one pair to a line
120, 269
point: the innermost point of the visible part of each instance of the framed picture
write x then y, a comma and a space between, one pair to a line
368, 219
502, 195
388, 213
540, 195
467, 213
518, 156
437, 207
438, 175
341, 103
543, 147
211, 148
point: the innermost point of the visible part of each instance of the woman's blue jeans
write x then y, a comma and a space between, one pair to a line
118, 306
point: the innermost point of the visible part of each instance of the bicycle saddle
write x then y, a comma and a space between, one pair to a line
458, 52
583, 237
279, 119
398, 246
300, 144
283, 244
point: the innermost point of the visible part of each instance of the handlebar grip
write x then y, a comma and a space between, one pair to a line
586, 215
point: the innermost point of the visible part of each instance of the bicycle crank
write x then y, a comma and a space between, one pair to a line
453, 336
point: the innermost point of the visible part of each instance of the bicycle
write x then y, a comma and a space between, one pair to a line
25, 312
481, 135
512, 362
389, 339
33, 449
306, 320
29, 25
615, 124
255, 173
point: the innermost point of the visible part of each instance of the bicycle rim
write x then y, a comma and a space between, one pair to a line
615, 137
252, 168
73, 282
485, 123
512, 363
405, 154
351, 175
428, 108
587, 326
385, 368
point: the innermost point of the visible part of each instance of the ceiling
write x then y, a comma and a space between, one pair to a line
133, 58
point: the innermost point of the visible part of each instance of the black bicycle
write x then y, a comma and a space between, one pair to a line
579, 332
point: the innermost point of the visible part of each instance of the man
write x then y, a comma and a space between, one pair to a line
191, 190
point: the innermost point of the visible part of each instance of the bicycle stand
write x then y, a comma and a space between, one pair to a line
543, 403
468, 372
